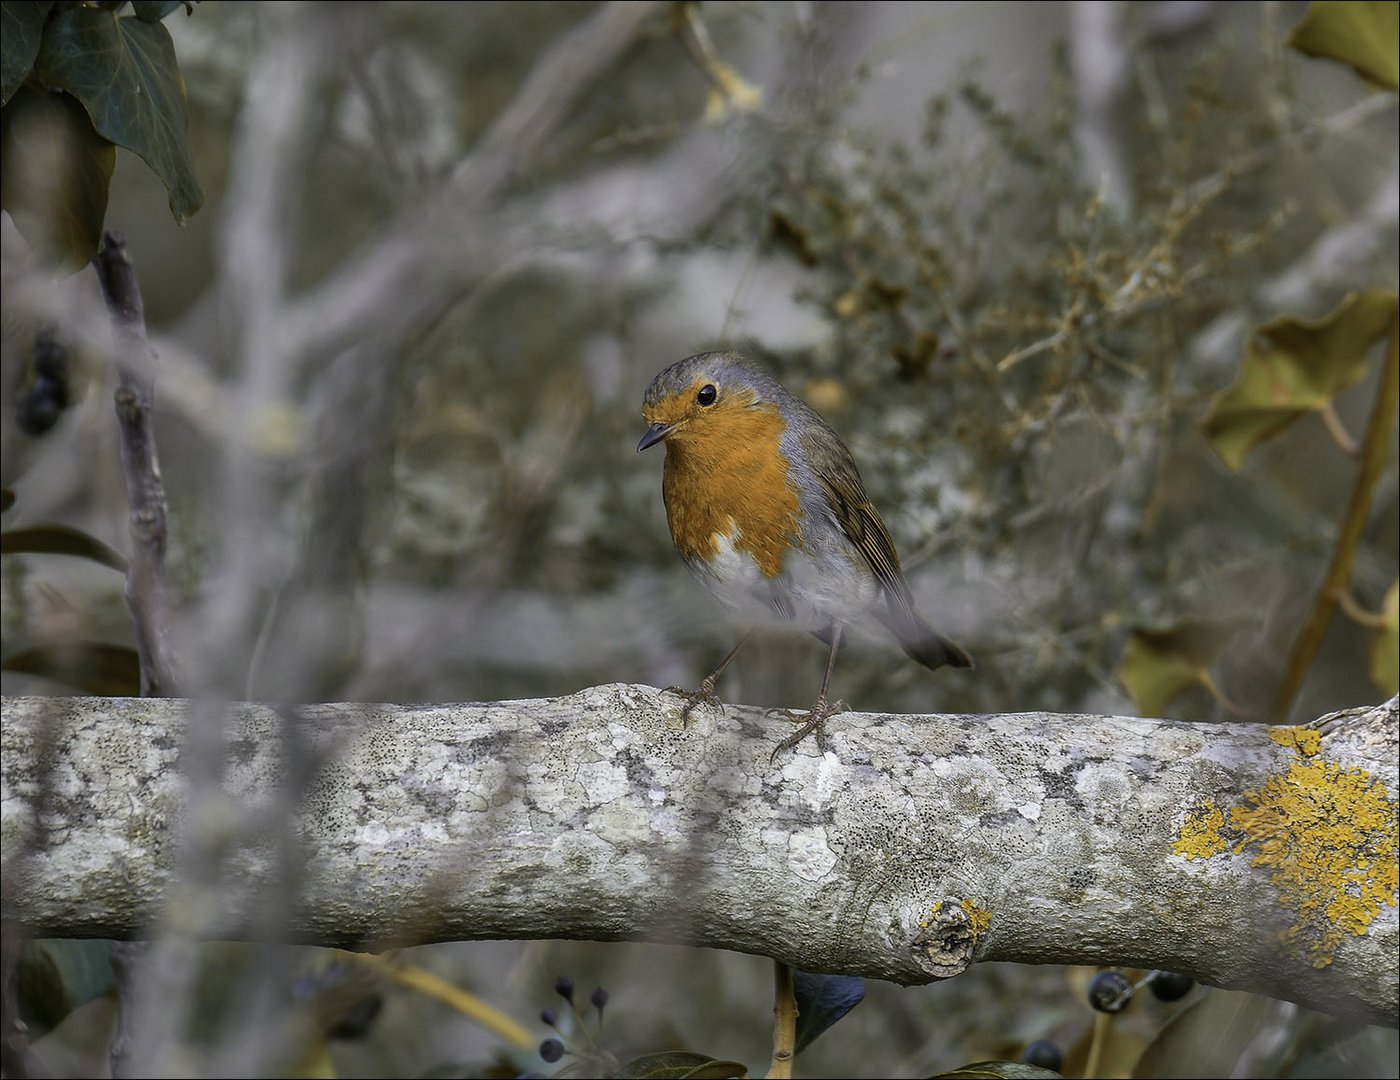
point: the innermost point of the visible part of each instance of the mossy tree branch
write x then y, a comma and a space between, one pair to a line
917, 846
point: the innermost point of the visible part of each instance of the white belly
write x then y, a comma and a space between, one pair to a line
829, 586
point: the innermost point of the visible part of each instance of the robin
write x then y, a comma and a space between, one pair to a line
766, 507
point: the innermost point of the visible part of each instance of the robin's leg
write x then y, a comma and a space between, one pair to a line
817, 717
706, 694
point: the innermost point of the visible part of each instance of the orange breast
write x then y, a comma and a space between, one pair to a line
731, 475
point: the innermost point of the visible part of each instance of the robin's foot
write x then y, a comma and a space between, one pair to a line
705, 695
813, 723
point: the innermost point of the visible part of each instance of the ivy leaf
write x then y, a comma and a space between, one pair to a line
21, 28
105, 670
1295, 366
57, 975
1209, 1038
1363, 35
153, 11
1385, 653
59, 540
124, 73
1159, 665
821, 1001
682, 1065
54, 175
997, 1070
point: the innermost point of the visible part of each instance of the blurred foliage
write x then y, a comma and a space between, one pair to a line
1362, 34
1021, 368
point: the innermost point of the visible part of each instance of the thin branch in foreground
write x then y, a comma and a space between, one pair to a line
784, 1022
135, 401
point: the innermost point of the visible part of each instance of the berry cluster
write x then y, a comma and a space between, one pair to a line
1110, 992
589, 1054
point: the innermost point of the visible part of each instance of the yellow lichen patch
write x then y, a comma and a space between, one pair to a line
1328, 839
1200, 833
980, 918
1303, 739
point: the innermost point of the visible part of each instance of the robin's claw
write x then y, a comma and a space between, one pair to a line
813, 724
693, 698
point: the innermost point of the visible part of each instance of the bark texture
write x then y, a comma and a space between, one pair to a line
1243, 855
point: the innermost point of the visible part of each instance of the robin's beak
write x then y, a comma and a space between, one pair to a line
655, 434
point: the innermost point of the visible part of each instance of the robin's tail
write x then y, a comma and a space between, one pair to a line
925, 644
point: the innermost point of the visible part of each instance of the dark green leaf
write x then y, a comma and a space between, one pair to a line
21, 27
1209, 1038
155, 10
124, 73
681, 1065
997, 1070
1365, 35
54, 174
59, 540
821, 1001
56, 975
105, 670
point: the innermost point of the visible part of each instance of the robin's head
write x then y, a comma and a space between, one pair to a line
709, 396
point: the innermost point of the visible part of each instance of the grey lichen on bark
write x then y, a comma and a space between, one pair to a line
915, 846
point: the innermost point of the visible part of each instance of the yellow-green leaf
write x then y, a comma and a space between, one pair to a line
1361, 34
54, 175
1158, 665
1294, 366
1385, 652
124, 72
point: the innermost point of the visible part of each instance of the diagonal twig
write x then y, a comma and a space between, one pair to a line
1375, 449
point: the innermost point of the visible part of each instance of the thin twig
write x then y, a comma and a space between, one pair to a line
1352, 609
1340, 435
343, 307
135, 401
784, 1023
1375, 449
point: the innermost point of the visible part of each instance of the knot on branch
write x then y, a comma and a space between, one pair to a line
948, 940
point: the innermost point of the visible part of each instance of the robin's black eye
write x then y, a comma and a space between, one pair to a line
707, 395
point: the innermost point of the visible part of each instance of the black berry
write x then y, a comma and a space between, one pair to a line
354, 1022
549, 1017
599, 997
1110, 991
36, 411
1044, 1054
551, 1050
1169, 985
564, 987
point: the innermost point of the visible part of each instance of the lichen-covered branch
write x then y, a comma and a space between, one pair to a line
1243, 855
145, 490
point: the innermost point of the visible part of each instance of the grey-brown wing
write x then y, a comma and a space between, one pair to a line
856, 515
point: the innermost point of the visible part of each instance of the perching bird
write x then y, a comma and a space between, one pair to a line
767, 509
